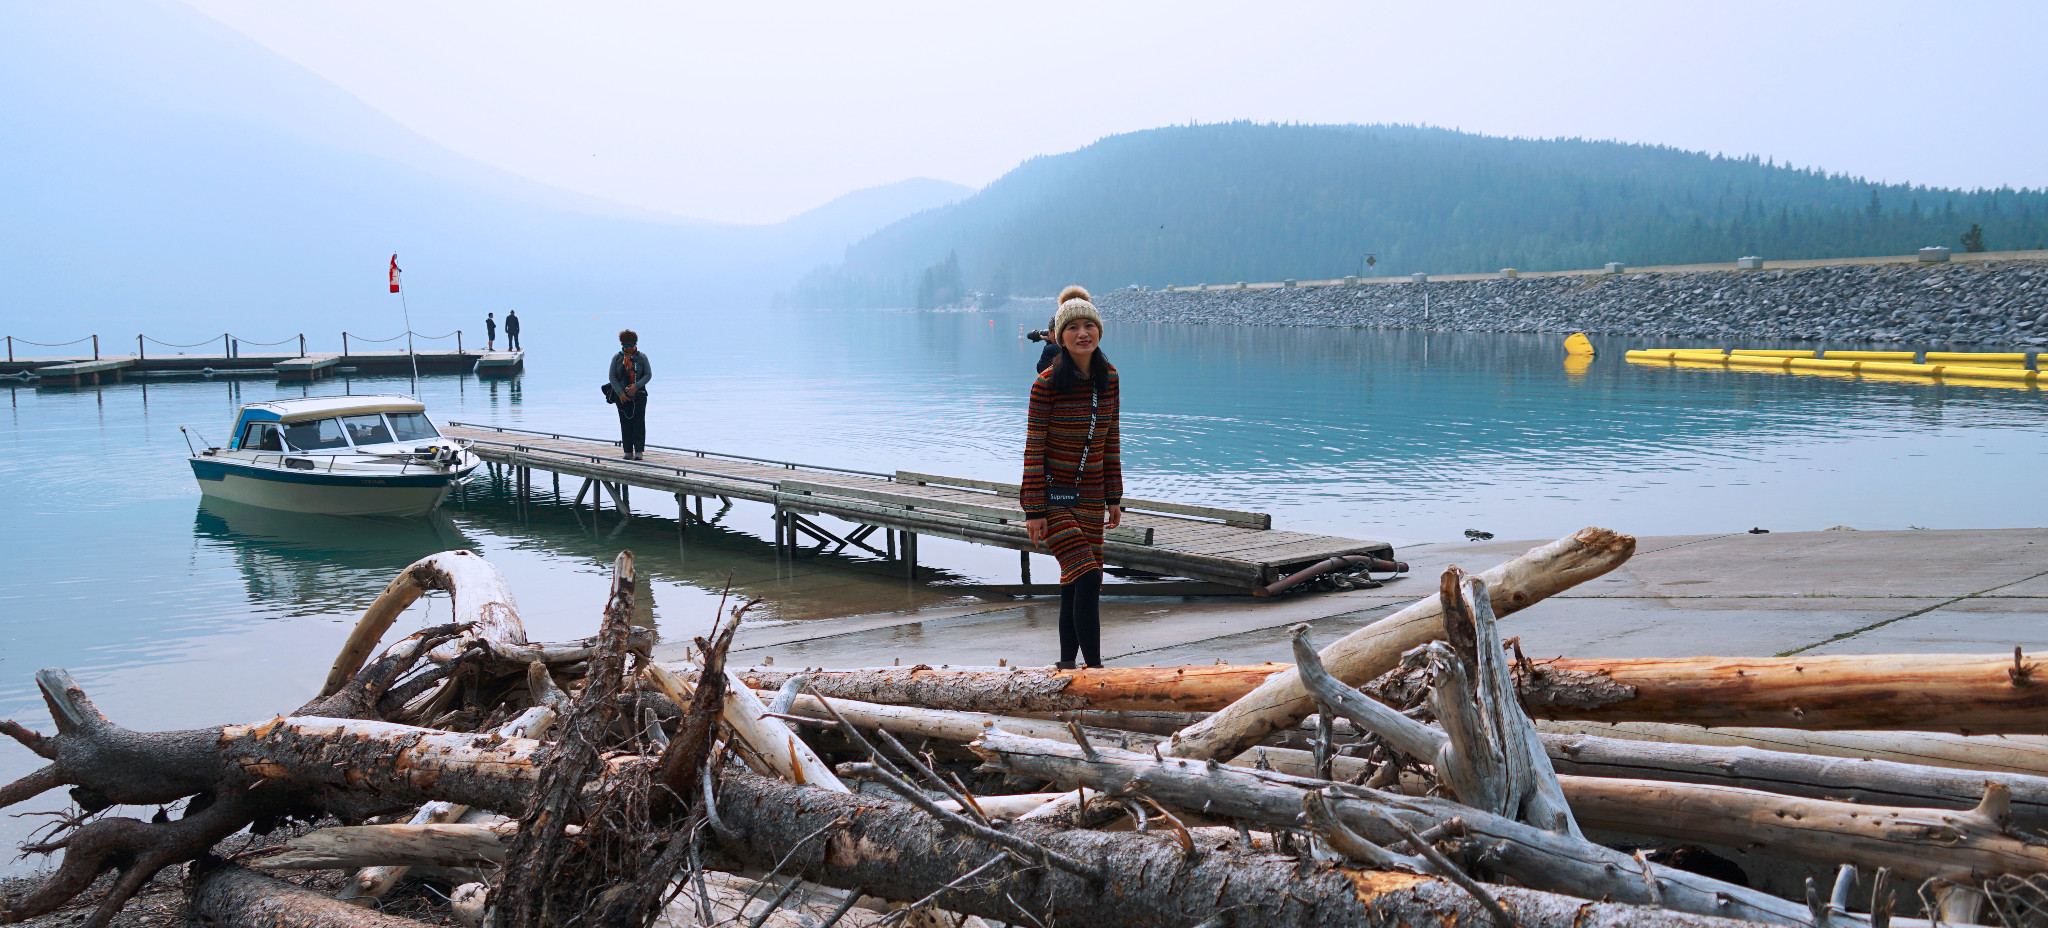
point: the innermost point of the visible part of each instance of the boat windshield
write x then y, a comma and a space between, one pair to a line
411, 426
260, 436
315, 435
366, 430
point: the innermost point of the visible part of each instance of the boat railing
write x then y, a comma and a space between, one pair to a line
280, 458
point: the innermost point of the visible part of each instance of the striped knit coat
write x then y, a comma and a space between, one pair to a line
1054, 432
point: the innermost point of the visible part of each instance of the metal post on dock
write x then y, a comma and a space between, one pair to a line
138, 347
458, 343
225, 348
10, 349
302, 344
95, 347
344, 344
1024, 563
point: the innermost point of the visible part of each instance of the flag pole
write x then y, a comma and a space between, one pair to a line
409, 353
414, 358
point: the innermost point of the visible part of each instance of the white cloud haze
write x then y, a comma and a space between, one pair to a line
752, 112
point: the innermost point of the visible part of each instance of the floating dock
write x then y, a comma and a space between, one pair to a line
1238, 550
76, 372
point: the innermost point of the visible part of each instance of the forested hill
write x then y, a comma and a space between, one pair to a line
1230, 202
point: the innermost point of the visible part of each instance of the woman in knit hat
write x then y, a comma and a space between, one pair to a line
1073, 484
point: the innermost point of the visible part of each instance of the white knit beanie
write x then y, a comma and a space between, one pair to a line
1073, 305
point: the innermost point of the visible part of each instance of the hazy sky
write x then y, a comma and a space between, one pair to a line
753, 111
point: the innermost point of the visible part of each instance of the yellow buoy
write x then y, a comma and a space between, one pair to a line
1578, 344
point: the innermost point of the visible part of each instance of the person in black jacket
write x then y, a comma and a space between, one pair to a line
1051, 351
512, 330
629, 376
490, 332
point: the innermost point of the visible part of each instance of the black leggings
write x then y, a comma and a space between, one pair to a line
1081, 619
633, 423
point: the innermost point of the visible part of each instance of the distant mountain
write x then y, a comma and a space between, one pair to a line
1223, 203
163, 170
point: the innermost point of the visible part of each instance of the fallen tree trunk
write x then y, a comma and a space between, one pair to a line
1967, 694
1031, 689
1917, 844
2027, 754
227, 896
481, 601
1532, 856
371, 883
1870, 782
1281, 701
388, 846
889, 849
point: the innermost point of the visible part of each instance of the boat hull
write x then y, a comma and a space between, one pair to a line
331, 494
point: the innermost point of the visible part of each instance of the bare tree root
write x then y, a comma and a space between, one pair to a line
107, 765
618, 870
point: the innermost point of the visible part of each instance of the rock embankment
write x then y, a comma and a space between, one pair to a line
1910, 305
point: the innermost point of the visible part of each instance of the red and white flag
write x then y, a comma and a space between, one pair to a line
394, 273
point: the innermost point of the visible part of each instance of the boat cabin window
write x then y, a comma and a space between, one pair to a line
412, 426
315, 435
261, 436
366, 430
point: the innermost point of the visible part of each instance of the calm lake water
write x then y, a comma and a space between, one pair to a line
173, 613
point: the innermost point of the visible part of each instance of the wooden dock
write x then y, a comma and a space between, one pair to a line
1237, 549
87, 371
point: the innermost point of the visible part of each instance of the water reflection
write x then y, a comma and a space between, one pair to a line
305, 564
729, 555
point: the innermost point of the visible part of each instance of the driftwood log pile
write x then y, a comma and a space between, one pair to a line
1418, 771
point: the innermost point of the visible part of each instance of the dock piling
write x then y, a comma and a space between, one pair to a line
1024, 565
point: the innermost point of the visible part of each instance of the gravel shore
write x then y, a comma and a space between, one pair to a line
1989, 305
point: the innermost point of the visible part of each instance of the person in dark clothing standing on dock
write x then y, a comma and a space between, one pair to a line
1073, 485
490, 332
512, 330
630, 373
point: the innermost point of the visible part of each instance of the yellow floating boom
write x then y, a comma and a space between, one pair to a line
1976, 357
1871, 355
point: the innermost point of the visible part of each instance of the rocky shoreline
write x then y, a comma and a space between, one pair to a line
1984, 305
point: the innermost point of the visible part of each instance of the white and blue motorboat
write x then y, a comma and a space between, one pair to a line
339, 455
